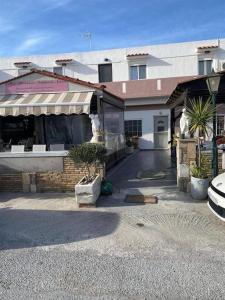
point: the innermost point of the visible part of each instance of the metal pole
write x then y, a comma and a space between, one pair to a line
215, 150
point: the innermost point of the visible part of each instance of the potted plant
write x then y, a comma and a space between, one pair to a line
199, 181
130, 146
91, 156
200, 114
135, 141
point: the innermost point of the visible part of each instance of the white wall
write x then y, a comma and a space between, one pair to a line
147, 117
168, 60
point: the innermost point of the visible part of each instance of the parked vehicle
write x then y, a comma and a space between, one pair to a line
216, 193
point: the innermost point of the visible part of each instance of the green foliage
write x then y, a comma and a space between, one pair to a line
129, 142
202, 170
200, 114
89, 155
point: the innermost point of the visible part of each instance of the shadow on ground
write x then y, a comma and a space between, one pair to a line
21, 228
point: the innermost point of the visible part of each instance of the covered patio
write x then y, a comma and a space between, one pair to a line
42, 116
196, 87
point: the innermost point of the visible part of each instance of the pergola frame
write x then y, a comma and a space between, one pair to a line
196, 87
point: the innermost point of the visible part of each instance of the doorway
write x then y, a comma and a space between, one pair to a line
160, 132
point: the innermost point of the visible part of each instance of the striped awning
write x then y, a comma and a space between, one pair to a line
45, 104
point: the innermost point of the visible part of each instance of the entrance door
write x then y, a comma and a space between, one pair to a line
161, 132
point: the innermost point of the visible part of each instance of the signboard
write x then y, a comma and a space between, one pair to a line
37, 86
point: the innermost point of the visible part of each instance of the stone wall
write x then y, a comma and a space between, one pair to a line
186, 158
53, 181
208, 161
11, 182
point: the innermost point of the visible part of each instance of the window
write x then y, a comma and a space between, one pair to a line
58, 70
205, 67
133, 127
138, 72
105, 73
220, 125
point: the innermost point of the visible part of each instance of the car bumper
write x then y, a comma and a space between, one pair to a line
216, 204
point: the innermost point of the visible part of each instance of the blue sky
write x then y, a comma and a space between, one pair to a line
54, 26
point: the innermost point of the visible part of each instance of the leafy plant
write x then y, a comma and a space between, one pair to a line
129, 143
200, 114
201, 171
91, 155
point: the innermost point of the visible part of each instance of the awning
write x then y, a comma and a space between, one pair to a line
45, 103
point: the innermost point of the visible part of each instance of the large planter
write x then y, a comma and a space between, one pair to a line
87, 194
199, 188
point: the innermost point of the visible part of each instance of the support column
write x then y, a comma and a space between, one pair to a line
186, 158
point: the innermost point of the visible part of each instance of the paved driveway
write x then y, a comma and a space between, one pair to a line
124, 175
50, 250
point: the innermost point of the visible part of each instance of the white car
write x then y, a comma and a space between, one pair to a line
216, 193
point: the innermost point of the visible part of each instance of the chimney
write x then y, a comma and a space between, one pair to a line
124, 87
159, 84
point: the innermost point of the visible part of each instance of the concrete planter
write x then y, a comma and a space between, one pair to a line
199, 188
87, 194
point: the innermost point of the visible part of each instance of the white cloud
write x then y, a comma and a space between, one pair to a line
30, 43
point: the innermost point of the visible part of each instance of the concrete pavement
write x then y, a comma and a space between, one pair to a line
51, 250
171, 250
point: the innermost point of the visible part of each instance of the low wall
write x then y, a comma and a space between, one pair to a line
62, 180
208, 161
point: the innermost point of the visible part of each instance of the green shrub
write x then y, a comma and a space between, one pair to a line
90, 155
202, 170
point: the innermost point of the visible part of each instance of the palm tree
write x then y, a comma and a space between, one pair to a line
200, 114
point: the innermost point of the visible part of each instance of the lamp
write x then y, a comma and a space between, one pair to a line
213, 83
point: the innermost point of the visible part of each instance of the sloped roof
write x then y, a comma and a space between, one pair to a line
57, 76
145, 88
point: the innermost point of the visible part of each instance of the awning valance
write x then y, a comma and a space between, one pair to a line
45, 103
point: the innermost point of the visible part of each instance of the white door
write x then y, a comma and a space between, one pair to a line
160, 132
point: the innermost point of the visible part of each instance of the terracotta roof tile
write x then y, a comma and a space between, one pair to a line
66, 60
22, 63
147, 88
66, 78
208, 47
137, 54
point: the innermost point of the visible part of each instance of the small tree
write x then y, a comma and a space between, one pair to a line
91, 155
200, 114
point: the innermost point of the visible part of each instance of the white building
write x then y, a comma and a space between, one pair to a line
143, 76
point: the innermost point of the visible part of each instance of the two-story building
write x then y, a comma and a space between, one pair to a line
143, 76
